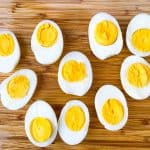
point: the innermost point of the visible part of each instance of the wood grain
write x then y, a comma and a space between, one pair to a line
73, 17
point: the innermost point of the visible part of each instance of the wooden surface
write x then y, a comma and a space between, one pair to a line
73, 17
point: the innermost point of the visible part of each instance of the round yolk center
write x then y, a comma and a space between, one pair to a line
75, 118
141, 40
73, 71
18, 87
47, 35
41, 129
112, 111
138, 75
6, 45
106, 33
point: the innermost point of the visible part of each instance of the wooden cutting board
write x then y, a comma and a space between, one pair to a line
73, 17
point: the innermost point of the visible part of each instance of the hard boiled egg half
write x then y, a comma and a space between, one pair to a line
105, 37
41, 124
73, 122
111, 107
9, 51
75, 74
47, 42
18, 89
135, 77
138, 35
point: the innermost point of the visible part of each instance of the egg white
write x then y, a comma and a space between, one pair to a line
76, 88
134, 92
141, 20
47, 55
8, 63
41, 109
68, 136
103, 94
14, 104
101, 51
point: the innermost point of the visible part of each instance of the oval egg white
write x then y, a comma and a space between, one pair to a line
134, 92
68, 136
8, 63
77, 88
141, 20
101, 51
14, 104
103, 94
47, 55
40, 109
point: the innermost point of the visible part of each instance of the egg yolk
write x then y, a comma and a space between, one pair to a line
47, 35
106, 33
41, 129
75, 118
112, 111
138, 75
73, 71
6, 45
18, 86
141, 40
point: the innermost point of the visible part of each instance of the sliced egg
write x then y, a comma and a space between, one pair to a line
105, 36
41, 124
135, 77
9, 51
138, 35
18, 89
75, 74
47, 42
73, 122
111, 107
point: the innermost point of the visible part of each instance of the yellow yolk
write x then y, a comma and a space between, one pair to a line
6, 45
106, 33
141, 40
75, 118
18, 86
112, 111
41, 129
73, 71
47, 35
138, 75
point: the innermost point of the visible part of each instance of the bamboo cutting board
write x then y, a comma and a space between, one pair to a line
73, 17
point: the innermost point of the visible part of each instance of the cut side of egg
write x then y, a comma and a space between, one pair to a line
9, 51
135, 77
75, 74
18, 89
138, 35
105, 36
73, 122
111, 107
41, 124
47, 42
